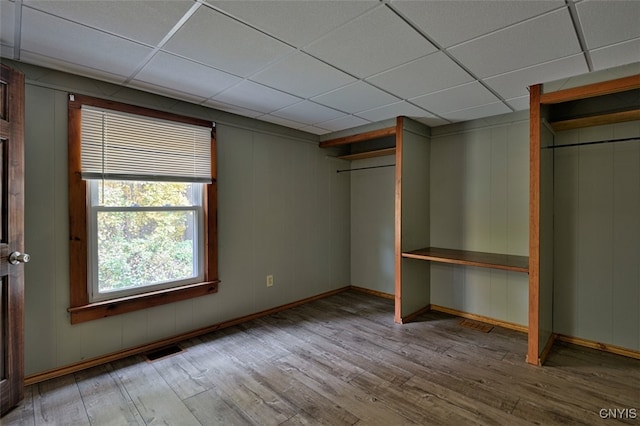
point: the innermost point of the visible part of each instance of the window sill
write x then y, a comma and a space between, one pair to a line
108, 308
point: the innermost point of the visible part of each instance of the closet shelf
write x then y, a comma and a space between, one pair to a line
369, 154
360, 137
507, 262
596, 120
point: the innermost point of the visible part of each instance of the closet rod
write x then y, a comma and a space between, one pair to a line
364, 168
593, 142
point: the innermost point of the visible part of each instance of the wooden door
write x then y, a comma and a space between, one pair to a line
11, 238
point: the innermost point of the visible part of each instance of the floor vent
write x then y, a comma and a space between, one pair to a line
163, 353
476, 325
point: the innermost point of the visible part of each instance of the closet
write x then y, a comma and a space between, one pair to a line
461, 252
414, 254
367, 160
583, 257
408, 142
584, 231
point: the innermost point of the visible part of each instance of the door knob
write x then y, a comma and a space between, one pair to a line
17, 257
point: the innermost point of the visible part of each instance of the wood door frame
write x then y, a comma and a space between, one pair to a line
12, 132
533, 350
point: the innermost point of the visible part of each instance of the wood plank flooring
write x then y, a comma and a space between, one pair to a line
342, 361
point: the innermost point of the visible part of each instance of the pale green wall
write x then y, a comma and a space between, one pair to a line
372, 224
283, 210
597, 235
372, 214
479, 202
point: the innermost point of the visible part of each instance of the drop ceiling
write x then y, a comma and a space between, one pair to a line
324, 66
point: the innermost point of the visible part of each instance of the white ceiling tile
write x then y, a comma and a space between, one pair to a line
232, 108
452, 22
608, 22
295, 22
281, 121
315, 130
355, 97
217, 40
392, 111
300, 64
172, 72
71, 68
256, 97
519, 104
345, 122
53, 37
458, 98
432, 121
481, 111
623, 53
302, 75
372, 43
308, 112
166, 91
592, 77
425, 75
143, 21
515, 83
7, 21
520, 46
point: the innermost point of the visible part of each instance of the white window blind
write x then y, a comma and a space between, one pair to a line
118, 145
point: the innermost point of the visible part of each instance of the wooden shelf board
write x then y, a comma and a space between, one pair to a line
471, 258
360, 137
369, 154
597, 120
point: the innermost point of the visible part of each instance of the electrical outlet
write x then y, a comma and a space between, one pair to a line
269, 280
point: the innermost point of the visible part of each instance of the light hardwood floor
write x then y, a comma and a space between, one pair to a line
342, 361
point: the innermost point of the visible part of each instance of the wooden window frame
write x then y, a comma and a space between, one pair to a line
81, 309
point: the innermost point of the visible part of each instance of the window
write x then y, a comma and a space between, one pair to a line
142, 208
143, 236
